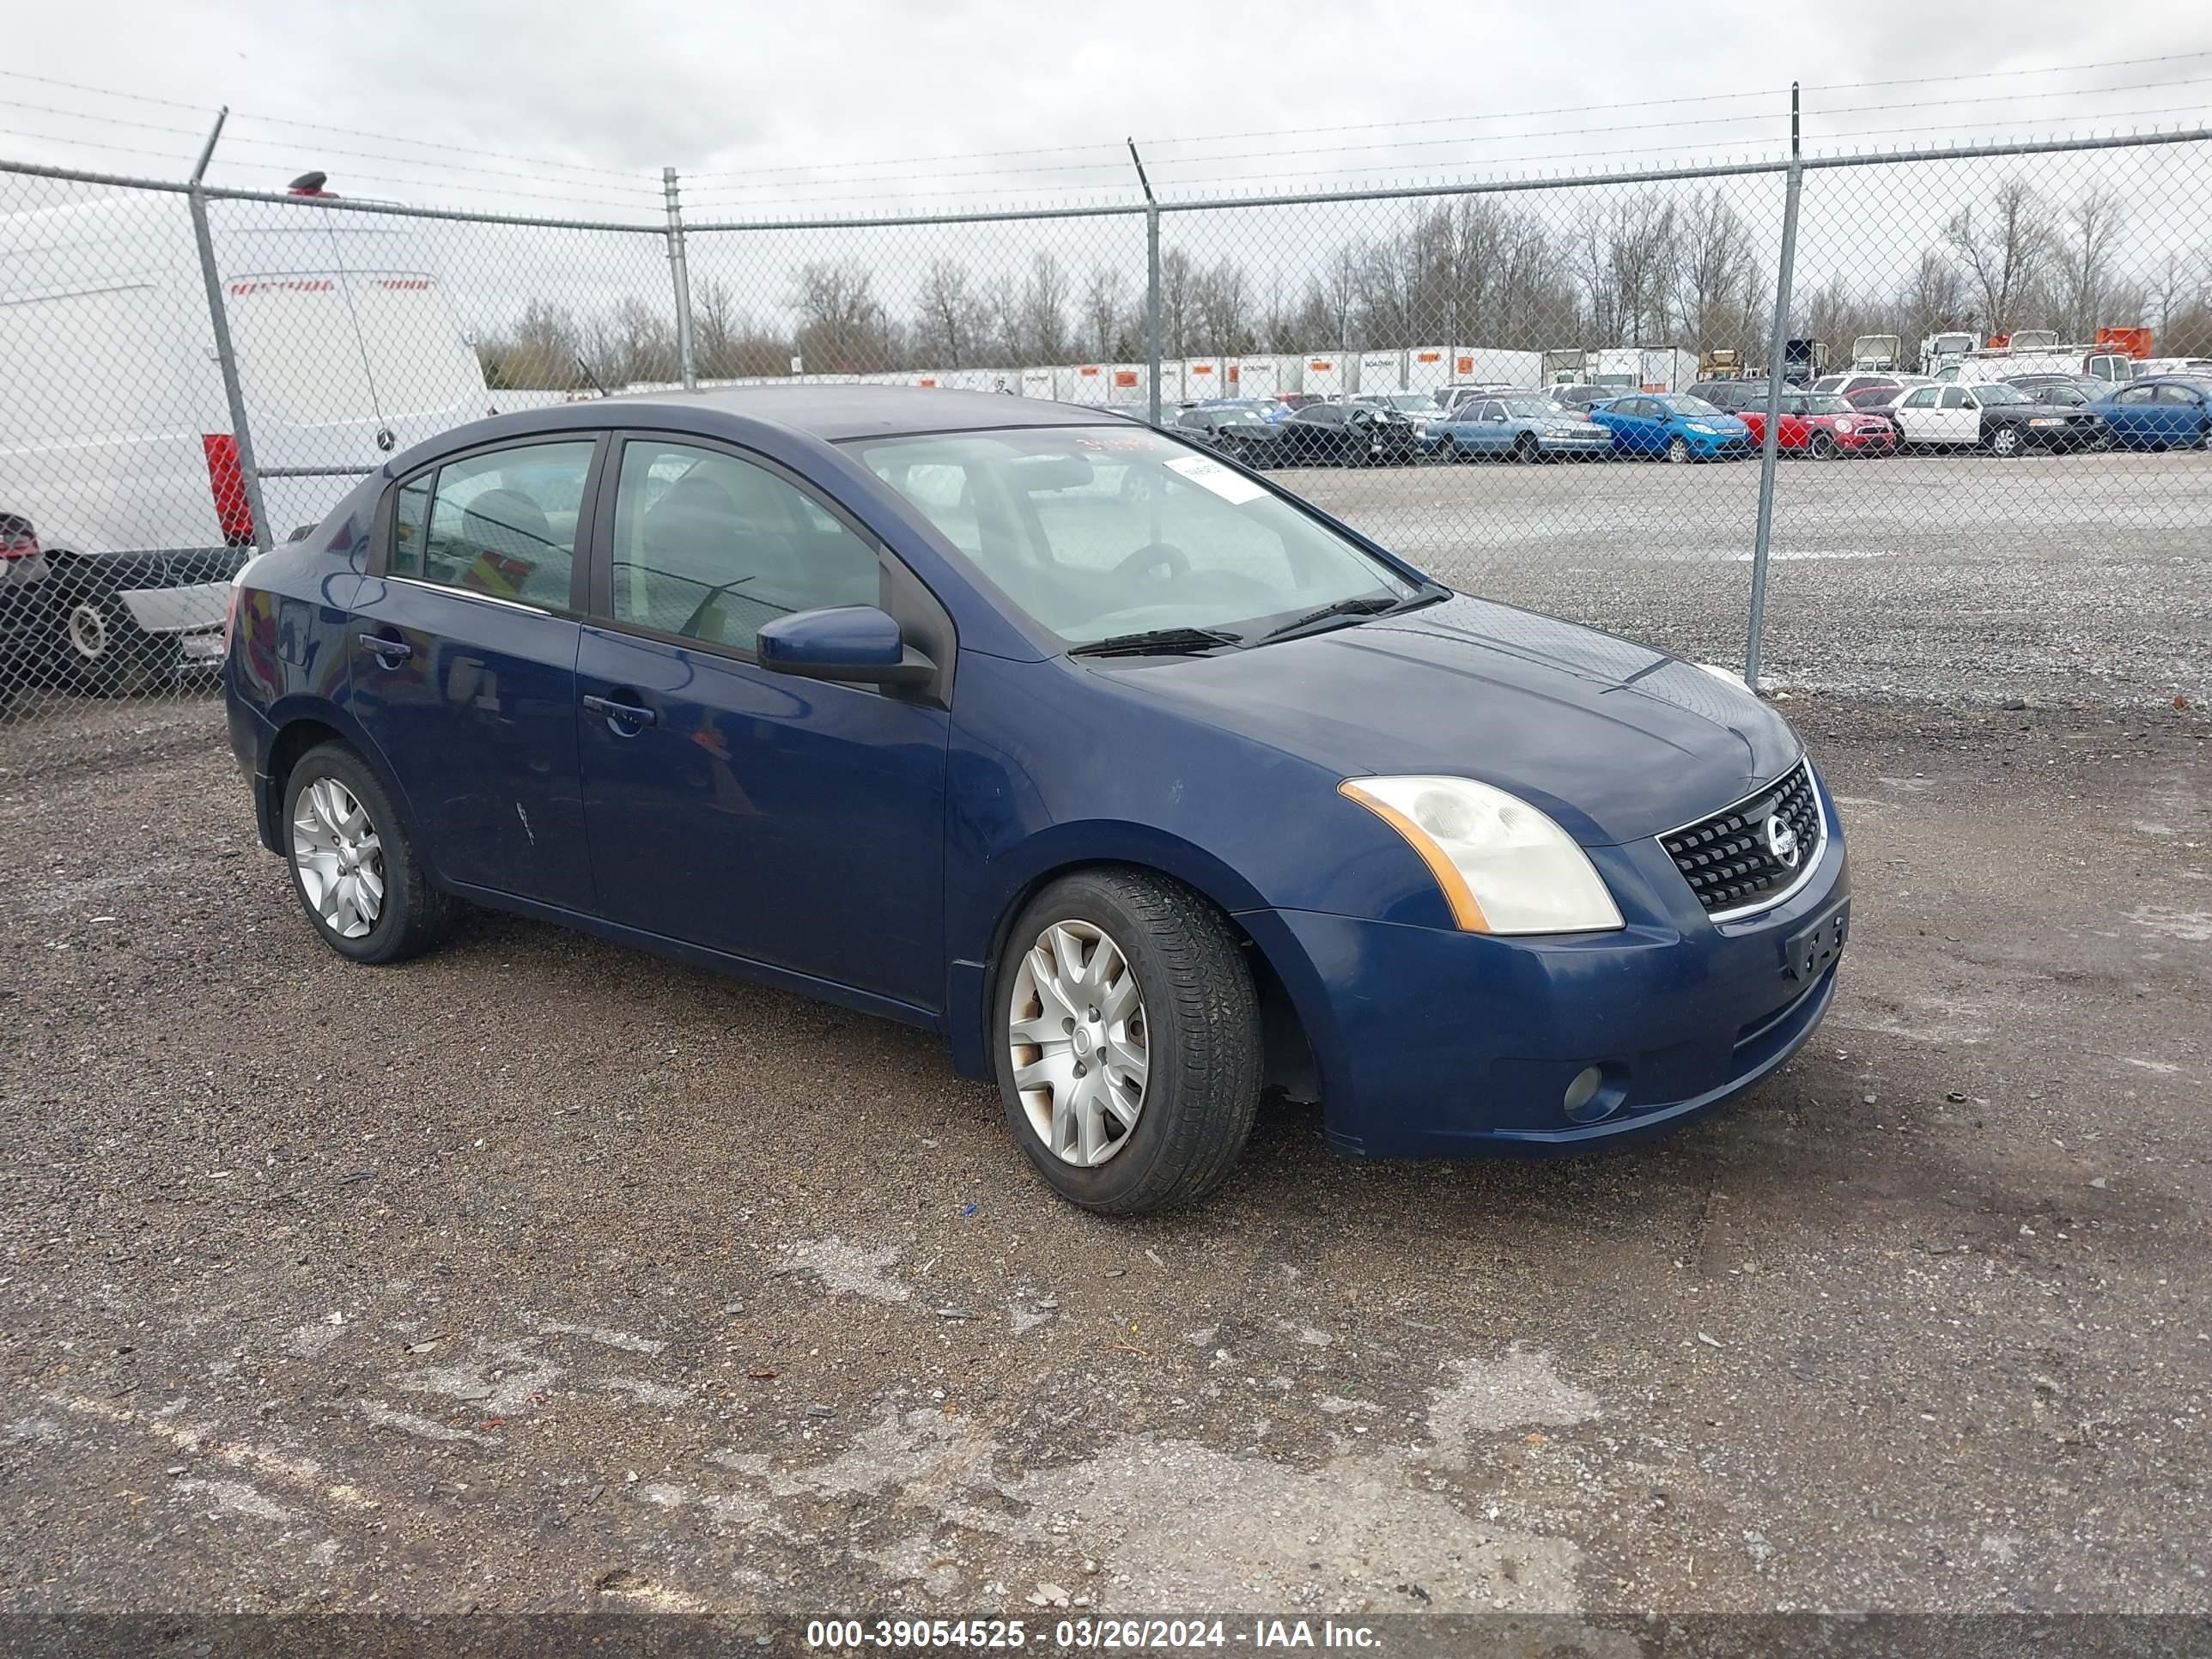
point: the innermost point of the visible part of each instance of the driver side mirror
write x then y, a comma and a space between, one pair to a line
845, 643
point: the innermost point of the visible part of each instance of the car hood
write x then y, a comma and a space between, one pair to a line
1614, 740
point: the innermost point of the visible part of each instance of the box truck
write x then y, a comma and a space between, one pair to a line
118, 460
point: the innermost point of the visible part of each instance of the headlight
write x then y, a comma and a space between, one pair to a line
1846, 427
1700, 426
2047, 420
1504, 867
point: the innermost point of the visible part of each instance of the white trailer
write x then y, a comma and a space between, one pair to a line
1041, 383
1375, 373
1129, 386
1323, 375
1087, 383
1643, 368
1256, 377
116, 442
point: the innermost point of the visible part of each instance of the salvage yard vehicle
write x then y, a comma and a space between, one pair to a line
1141, 781
2001, 419
2167, 413
1331, 435
1525, 427
1677, 426
120, 456
1816, 423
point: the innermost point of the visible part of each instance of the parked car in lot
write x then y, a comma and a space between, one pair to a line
2067, 391
2168, 413
1258, 408
1295, 401
1523, 427
1048, 733
1327, 435
1816, 423
1672, 424
1222, 429
2001, 419
1581, 394
1869, 391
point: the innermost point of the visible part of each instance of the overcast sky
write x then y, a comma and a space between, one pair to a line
753, 92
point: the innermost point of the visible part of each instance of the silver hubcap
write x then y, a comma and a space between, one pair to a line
87, 630
1078, 1045
339, 858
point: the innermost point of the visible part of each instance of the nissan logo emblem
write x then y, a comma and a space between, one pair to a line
1782, 842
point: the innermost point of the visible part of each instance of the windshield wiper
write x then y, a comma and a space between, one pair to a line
1360, 605
1157, 642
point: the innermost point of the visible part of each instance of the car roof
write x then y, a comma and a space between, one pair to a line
833, 411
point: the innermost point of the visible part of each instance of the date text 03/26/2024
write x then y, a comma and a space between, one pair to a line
1087, 1635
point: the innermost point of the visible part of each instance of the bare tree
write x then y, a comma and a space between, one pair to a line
725, 343
1222, 299
1044, 311
843, 328
1716, 272
949, 321
1626, 251
1178, 278
539, 349
2005, 248
2083, 253
1105, 313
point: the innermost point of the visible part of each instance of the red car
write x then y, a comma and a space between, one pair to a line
1822, 425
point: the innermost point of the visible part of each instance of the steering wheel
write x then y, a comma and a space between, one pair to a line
1151, 556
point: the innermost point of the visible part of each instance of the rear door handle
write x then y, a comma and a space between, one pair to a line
619, 714
390, 652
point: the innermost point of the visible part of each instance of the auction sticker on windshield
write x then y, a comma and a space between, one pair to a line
1232, 487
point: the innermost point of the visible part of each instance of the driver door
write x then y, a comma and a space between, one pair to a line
793, 822
1958, 416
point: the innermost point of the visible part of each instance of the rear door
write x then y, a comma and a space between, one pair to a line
1916, 415
791, 822
463, 658
2180, 413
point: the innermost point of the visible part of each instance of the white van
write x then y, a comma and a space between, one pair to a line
116, 448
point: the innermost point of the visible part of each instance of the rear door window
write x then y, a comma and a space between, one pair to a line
502, 524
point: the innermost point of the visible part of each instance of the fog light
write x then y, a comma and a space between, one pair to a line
1582, 1090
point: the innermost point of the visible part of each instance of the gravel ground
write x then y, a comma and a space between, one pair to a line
542, 1274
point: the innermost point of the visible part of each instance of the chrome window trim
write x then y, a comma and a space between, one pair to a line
1765, 901
430, 586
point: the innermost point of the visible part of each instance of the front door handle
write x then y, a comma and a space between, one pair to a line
390, 652
625, 718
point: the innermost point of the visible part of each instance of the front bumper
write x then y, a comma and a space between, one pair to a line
1434, 1043
1709, 446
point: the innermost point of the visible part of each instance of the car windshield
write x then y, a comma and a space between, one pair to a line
1407, 402
1532, 409
1823, 404
2002, 394
1683, 404
1100, 532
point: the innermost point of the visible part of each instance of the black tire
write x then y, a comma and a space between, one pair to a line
1525, 451
2007, 442
414, 914
1677, 451
1202, 1034
1824, 446
97, 646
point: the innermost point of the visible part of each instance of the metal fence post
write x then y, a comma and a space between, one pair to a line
226, 355
680, 272
1151, 285
1770, 439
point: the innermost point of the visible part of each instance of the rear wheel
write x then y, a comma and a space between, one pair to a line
1126, 1034
354, 870
99, 648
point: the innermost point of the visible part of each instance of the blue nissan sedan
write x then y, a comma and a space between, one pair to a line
1145, 782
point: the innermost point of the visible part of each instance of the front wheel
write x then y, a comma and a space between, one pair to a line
1524, 449
353, 869
1126, 1034
2007, 441
1677, 451
1824, 447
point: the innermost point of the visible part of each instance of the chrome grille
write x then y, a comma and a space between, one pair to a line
1728, 859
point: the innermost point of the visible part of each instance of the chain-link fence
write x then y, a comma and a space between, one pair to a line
1932, 423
